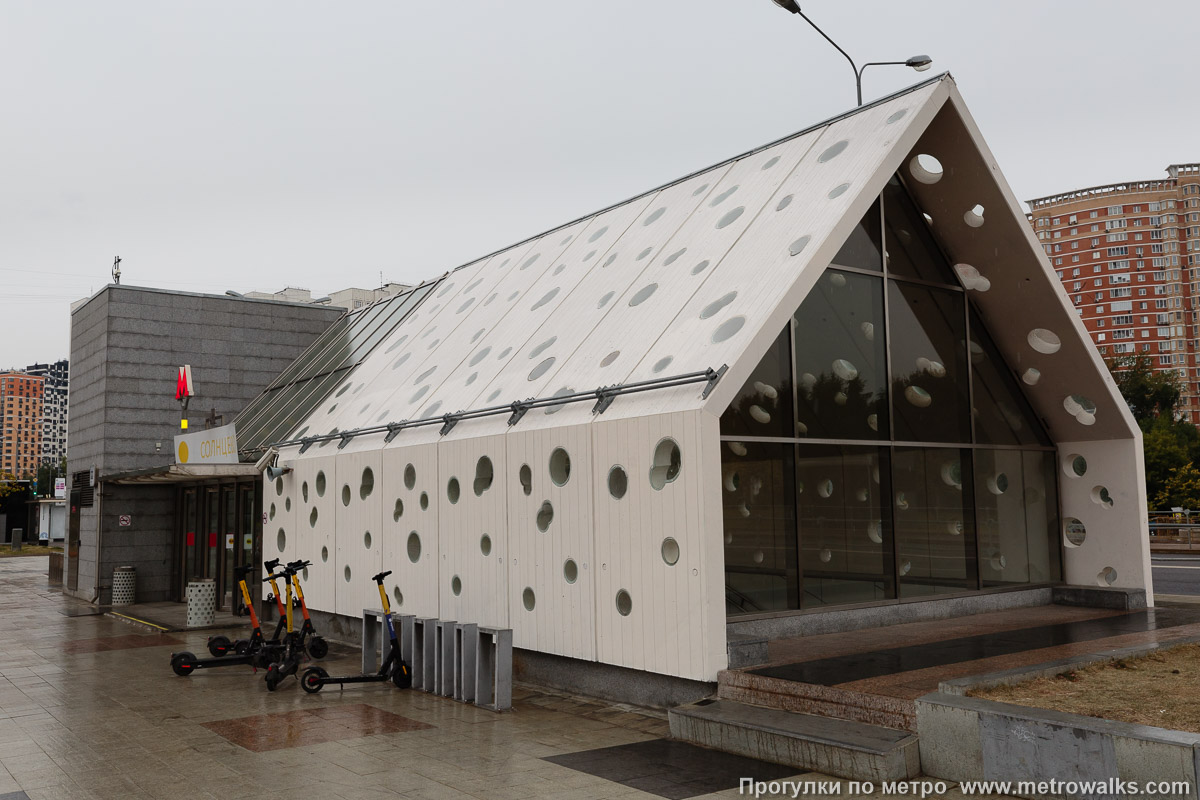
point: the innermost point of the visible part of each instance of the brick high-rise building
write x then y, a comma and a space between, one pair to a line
21, 423
54, 409
1128, 255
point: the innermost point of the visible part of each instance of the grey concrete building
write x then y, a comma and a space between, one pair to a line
129, 503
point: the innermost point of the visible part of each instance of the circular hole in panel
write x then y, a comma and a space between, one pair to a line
546, 298
541, 348
452, 490
480, 356
838, 191
525, 476
281, 541
560, 466
541, 369
671, 259
716, 305
287, 504
558, 270
998, 483
278, 486
1044, 341
446, 289
598, 234
666, 465
699, 191
424, 501
346, 573
493, 395
545, 516
1101, 497
730, 217
918, 397
618, 482
368, 484
410, 477
474, 285
770, 162
670, 551
1031, 376
431, 410
608, 261
1107, 577
398, 595
485, 545
589, 256
563, 392
312, 519
727, 329
722, 197
477, 334
654, 216
644, 253
399, 362
272, 514
797, 247
324, 554
528, 599
570, 571
1075, 532
504, 354
471, 378
703, 265
784, 202
662, 364
624, 603
899, 115
484, 474
833, 151
604, 300
925, 169
610, 358
974, 217
304, 491
514, 295
1075, 466
643, 294
421, 378
419, 394
398, 511
529, 261
367, 540
413, 545
456, 585
345, 494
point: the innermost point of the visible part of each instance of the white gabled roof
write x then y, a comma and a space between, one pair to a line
701, 273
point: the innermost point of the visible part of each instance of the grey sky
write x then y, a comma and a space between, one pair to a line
249, 146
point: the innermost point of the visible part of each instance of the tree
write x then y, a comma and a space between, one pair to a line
1181, 489
8, 484
1148, 392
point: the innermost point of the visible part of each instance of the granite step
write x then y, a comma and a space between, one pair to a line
810, 698
806, 741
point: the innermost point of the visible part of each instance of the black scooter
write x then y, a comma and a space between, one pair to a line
290, 652
257, 652
221, 646
393, 667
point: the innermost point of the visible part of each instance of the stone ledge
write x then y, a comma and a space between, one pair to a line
1099, 597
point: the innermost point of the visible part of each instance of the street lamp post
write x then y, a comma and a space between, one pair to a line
919, 63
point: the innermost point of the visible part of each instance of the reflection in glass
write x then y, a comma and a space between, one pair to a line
764, 405
1000, 513
845, 525
929, 367
840, 359
911, 250
935, 528
1041, 515
863, 249
1002, 414
758, 493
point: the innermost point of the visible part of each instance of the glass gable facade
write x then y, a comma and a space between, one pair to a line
882, 449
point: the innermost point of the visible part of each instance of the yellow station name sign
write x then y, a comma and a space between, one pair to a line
214, 446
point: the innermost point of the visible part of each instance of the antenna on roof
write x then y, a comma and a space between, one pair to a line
116, 270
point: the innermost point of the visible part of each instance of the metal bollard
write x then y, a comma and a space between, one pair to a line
18, 534
444, 673
493, 669
466, 641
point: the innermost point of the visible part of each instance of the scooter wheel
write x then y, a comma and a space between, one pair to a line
312, 680
219, 646
183, 664
317, 647
272, 678
241, 647
401, 676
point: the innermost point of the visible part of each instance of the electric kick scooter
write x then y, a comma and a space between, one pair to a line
392, 669
255, 652
221, 646
291, 651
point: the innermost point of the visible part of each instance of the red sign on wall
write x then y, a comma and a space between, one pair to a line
191, 538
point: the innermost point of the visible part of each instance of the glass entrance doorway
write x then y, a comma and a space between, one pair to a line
218, 527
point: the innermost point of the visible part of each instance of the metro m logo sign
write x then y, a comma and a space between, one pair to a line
183, 383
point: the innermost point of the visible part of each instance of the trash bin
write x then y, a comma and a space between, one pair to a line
201, 602
124, 586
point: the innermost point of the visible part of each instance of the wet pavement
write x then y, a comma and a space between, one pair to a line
89, 708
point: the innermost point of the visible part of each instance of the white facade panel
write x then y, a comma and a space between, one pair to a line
410, 528
358, 519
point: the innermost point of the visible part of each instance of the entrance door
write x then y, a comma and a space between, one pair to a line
73, 540
249, 536
227, 542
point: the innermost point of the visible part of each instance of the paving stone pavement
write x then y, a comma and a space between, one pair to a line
109, 719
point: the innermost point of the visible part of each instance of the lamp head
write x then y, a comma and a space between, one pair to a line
788, 5
919, 63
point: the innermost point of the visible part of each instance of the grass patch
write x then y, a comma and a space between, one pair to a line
27, 550
1160, 689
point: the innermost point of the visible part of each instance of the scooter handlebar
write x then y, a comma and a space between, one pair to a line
298, 565
379, 578
243, 571
271, 565
274, 577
